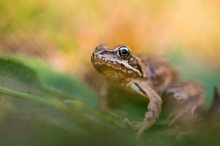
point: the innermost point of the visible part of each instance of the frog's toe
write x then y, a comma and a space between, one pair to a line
173, 118
184, 115
133, 124
137, 125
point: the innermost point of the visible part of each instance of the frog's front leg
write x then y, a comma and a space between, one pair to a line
104, 102
105, 90
154, 106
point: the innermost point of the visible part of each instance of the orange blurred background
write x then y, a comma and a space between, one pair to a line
65, 33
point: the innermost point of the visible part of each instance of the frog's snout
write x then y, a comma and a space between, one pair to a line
100, 48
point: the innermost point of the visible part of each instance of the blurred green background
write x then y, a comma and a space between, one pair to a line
58, 87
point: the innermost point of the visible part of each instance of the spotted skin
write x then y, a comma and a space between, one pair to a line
147, 76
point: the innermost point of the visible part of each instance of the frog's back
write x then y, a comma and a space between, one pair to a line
159, 72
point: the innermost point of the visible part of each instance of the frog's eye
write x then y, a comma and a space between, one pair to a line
123, 52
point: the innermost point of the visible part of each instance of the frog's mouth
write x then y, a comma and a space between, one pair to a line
107, 63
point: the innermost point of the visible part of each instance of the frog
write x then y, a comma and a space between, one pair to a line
150, 77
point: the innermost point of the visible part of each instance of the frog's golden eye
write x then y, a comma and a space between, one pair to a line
123, 52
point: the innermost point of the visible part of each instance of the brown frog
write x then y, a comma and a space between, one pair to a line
151, 77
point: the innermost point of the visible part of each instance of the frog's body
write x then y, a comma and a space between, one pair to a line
149, 77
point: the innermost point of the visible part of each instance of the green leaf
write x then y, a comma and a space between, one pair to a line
42, 107
49, 112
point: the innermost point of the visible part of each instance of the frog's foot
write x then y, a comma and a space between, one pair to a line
133, 124
184, 114
141, 126
173, 118
114, 113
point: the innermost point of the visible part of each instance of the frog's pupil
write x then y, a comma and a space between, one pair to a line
124, 51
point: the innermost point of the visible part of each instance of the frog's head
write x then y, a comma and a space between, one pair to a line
118, 63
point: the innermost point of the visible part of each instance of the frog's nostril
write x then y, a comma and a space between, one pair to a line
101, 47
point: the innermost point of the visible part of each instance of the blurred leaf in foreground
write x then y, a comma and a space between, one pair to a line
34, 114
42, 107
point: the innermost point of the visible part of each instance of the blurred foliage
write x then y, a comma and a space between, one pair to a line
33, 114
